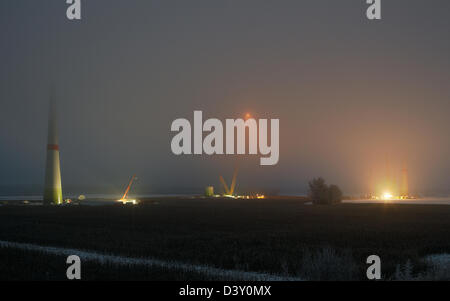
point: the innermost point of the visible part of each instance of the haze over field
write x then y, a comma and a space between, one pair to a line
348, 92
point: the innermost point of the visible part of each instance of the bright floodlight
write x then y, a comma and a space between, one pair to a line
127, 201
387, 196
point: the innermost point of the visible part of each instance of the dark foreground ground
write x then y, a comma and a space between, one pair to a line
282, 236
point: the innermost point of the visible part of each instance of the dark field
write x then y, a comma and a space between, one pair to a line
16, 265
282, 236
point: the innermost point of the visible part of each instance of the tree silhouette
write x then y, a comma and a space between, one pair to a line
321, 193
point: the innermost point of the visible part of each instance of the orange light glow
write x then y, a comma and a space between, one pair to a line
387, 196
127, 201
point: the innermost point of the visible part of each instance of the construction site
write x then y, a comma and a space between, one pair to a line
388, 185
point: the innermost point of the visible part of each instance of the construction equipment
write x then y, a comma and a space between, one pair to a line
209, 191
124, 199
52, 186
229, 192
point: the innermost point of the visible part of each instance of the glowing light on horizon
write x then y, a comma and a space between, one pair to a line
387, 196
127, 201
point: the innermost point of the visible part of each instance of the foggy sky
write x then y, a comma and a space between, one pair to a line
348, 92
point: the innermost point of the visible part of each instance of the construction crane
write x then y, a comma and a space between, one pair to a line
124, 199
229, 192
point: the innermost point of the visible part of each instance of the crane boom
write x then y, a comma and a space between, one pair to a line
128, 188
233, 181
225, 186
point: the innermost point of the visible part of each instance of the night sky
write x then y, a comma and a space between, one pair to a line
349, 92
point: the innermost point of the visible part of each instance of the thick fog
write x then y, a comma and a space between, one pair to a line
350, 93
